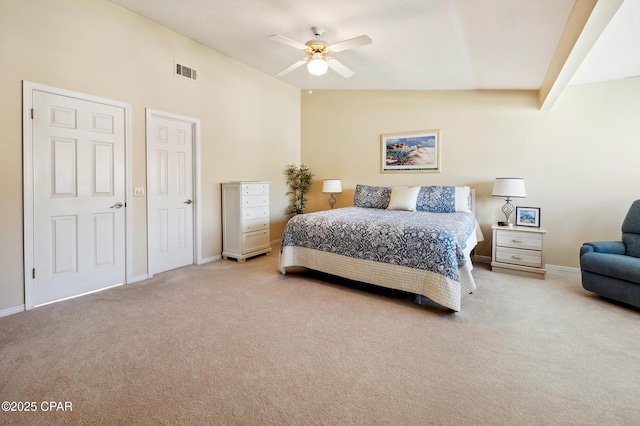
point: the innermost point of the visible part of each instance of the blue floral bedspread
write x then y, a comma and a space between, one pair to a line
422, 240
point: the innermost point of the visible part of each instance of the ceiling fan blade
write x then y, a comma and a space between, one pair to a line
288, 42
292, 67
339, 68
341, 46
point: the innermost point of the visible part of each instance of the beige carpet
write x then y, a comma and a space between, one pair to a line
240, 344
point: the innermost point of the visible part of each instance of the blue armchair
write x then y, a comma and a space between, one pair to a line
612, 268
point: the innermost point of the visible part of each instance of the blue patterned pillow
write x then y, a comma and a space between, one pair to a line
372, 197
444, 199
437, 199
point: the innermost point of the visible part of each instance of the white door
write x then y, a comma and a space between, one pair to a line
78, 196
171, 201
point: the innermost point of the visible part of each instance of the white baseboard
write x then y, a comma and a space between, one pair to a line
138, 278
487, 259
147, 276
10, 311
563, 268
210, 259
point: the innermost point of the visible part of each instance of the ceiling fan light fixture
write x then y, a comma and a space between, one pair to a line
317, 65
317, 50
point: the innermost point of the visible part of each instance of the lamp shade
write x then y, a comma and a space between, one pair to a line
317, 65
332, 186
509, 187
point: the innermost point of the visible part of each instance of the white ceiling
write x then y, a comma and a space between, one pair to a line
417, 44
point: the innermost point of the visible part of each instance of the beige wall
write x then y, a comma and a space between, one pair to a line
250, 121
580, 161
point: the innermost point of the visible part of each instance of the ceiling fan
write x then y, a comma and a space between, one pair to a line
317, 50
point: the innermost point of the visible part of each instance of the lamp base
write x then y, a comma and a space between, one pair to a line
332, 200
506, 224
507, 209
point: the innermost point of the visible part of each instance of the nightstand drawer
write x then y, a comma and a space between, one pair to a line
521, 257
522, 240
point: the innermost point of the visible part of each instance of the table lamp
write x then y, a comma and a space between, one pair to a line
332, 186
509, 188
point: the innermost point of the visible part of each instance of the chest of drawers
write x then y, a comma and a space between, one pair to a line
518, 250
245, 219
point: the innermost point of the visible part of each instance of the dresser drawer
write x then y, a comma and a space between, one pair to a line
255, 213
254, 200
255, 188
255, 225
522, 240
252, 241
521, 257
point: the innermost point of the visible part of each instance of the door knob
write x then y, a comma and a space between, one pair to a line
188, 202
116, 205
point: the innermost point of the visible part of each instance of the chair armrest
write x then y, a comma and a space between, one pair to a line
613, 247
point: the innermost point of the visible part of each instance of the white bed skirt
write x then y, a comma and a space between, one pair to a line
436, 287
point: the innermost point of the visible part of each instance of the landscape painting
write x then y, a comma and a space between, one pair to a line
528, 216
411, 152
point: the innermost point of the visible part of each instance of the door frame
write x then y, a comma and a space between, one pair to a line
27, 178
196, 181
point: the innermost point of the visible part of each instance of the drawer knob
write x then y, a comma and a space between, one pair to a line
517, 257
516, 241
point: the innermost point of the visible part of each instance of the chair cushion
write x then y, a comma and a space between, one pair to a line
631, 223
631, 230
612, 265
632, 242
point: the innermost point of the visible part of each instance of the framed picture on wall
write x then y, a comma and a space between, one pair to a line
528, 216
418, 151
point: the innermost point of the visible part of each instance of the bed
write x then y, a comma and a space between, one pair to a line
415, 239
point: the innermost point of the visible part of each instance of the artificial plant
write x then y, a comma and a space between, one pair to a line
298, 179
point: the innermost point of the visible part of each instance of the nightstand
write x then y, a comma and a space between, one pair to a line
518, 250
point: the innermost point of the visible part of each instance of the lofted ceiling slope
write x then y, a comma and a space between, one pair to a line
417, 44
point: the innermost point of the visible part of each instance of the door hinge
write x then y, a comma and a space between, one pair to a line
33, 272
32, 113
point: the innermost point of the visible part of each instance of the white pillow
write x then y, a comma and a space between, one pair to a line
463, 199
403, 198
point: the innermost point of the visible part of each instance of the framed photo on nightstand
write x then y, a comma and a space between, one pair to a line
528, 216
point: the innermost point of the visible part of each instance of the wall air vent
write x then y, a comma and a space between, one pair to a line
187, 72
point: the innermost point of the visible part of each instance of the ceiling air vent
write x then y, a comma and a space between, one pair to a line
187, 72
